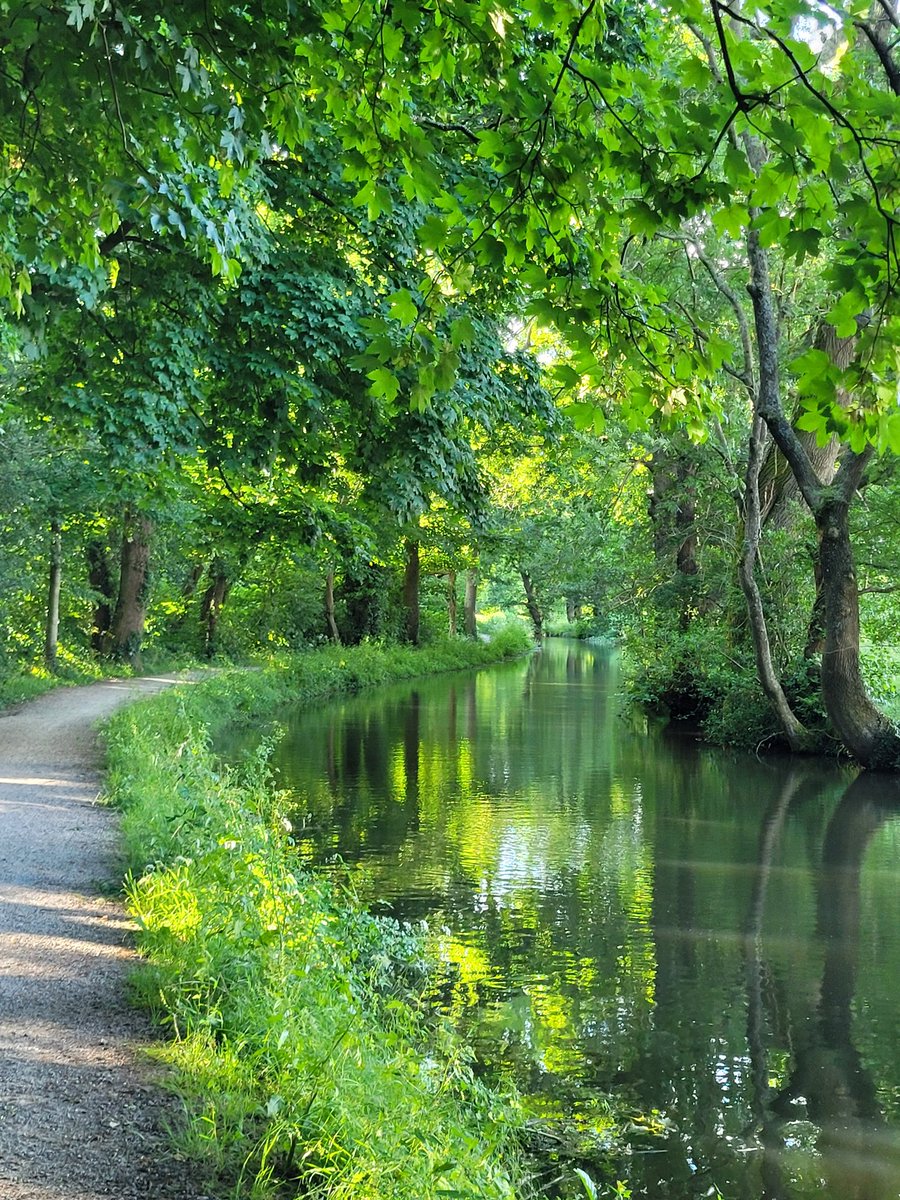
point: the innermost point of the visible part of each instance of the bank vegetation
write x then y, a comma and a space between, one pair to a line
296, 1025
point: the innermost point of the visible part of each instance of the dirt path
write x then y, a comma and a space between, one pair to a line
80, 1114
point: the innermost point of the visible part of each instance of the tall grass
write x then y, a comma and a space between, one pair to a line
309, 1063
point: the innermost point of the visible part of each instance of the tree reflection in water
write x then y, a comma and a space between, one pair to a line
828, 1085
629, 927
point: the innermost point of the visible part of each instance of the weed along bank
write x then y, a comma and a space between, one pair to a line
298, 1035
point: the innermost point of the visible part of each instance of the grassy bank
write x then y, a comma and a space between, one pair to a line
20, 683
307, 1060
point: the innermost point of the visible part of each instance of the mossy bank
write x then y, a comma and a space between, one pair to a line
308, 1061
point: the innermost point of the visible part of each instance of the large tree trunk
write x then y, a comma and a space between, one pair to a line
333, 632
531, 603
815, 630
469, 605
212, 603
100, 580
780, 494
51, 628
411, 592
866, 732
673, 510
451, 603
362, 592
127, 627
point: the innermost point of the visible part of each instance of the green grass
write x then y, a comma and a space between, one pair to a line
24, 683
309, 1063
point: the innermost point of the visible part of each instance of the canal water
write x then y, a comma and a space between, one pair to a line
712, 939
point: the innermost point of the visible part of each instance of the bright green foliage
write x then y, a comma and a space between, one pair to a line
571, 516
548, 143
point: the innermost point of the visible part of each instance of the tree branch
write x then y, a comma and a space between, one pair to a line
834, 112
884, 55
733, 299
769, 403
852, 468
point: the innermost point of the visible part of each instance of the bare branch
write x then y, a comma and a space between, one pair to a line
449, 127
769, 404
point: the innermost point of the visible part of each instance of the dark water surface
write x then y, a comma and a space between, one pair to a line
712, 938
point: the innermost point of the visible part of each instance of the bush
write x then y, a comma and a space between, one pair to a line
690, 676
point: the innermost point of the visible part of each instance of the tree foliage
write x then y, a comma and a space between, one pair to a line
310, 269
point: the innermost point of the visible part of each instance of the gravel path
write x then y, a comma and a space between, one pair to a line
81, 1113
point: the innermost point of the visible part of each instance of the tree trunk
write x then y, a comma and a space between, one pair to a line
534, 610
815, 630
212, 603
411, 592
866, 732
127, 626
794, 730
101, 581
451, 603
469, 605
362, 592
570, 610
780, 494
333, 632
672, 510
51, 628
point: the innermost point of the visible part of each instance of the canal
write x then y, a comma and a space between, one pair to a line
710, 939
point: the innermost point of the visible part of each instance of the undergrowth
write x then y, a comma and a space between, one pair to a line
20, 683
309, 1064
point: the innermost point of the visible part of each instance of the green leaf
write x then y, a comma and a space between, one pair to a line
843, 315
384, 384
732, 220
812, 421
402, 307
801, 243
462, 332
433, 232
772, 185
586, 415
590, 1188
891, 432
445, 370
643, 219
566, 375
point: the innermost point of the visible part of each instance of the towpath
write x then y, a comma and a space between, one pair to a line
82, 1115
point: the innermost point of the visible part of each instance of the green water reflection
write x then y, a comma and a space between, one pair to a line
713, 938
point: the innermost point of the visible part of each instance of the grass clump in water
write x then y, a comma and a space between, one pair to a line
308, 1061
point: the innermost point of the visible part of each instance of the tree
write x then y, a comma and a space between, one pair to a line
541, 147
753, 126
